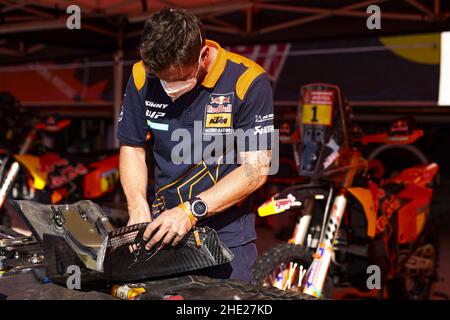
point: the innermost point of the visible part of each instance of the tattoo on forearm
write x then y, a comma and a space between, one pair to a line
252, 174
256, 166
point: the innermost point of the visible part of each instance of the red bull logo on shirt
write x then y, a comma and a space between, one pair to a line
218, 113
219, 109
220, 103
220, 100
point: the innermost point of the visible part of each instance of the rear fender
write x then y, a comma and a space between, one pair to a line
421, 175
414, 213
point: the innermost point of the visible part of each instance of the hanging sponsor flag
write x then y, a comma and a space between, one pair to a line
269, 56
56, 82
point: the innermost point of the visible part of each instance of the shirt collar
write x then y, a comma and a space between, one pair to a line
216, 71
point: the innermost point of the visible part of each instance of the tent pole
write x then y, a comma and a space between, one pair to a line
437, 8
118, 86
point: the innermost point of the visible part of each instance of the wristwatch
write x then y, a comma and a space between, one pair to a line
199, 208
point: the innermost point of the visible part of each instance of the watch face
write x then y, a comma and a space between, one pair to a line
199, 208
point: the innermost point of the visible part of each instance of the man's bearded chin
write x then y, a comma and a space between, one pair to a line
201, 75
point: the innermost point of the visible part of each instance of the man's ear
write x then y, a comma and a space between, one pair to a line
204, 56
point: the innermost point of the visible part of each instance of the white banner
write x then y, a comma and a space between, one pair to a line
444, 83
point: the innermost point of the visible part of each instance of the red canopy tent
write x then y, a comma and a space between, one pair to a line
36, 31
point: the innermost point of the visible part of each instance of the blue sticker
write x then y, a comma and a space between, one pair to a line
158, 126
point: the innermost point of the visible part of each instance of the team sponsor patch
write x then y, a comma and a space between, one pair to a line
218, 114
219, 109
154, 114
263, 118
152, 104
121, 114
158, 126
218, 120
263, 129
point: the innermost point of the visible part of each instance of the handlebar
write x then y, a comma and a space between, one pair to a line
385, 138
52, 127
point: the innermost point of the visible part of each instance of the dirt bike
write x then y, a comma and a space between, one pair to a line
51, 177
349, 226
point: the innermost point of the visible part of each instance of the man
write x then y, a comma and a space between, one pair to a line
185, 82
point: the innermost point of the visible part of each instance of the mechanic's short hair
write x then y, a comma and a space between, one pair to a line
171, 37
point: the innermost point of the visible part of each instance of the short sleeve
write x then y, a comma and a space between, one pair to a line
132, 127
256, 115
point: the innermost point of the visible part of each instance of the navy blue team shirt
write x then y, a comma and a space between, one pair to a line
235, 94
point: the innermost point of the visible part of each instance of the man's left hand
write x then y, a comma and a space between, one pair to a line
169, 228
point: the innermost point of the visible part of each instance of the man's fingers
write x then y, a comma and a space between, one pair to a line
176, 241
179, 236
134, 247
151, 228
156, 238
170, 235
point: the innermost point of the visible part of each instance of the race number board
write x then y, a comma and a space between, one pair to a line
317, 107
317, 114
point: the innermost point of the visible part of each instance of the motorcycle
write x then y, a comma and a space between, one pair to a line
350, 227
36, 173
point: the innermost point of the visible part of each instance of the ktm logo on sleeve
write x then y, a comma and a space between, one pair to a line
218, 120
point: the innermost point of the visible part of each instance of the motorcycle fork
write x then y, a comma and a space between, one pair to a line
8, 182
302, 226
14, 169
317, 272
303, 223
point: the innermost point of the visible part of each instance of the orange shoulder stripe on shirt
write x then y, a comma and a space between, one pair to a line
139, 75
246, 79
218, 65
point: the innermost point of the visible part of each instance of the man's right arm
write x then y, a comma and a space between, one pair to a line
132, 132
133, 176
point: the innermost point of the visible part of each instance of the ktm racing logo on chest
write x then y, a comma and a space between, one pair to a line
219, 120
218, 114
